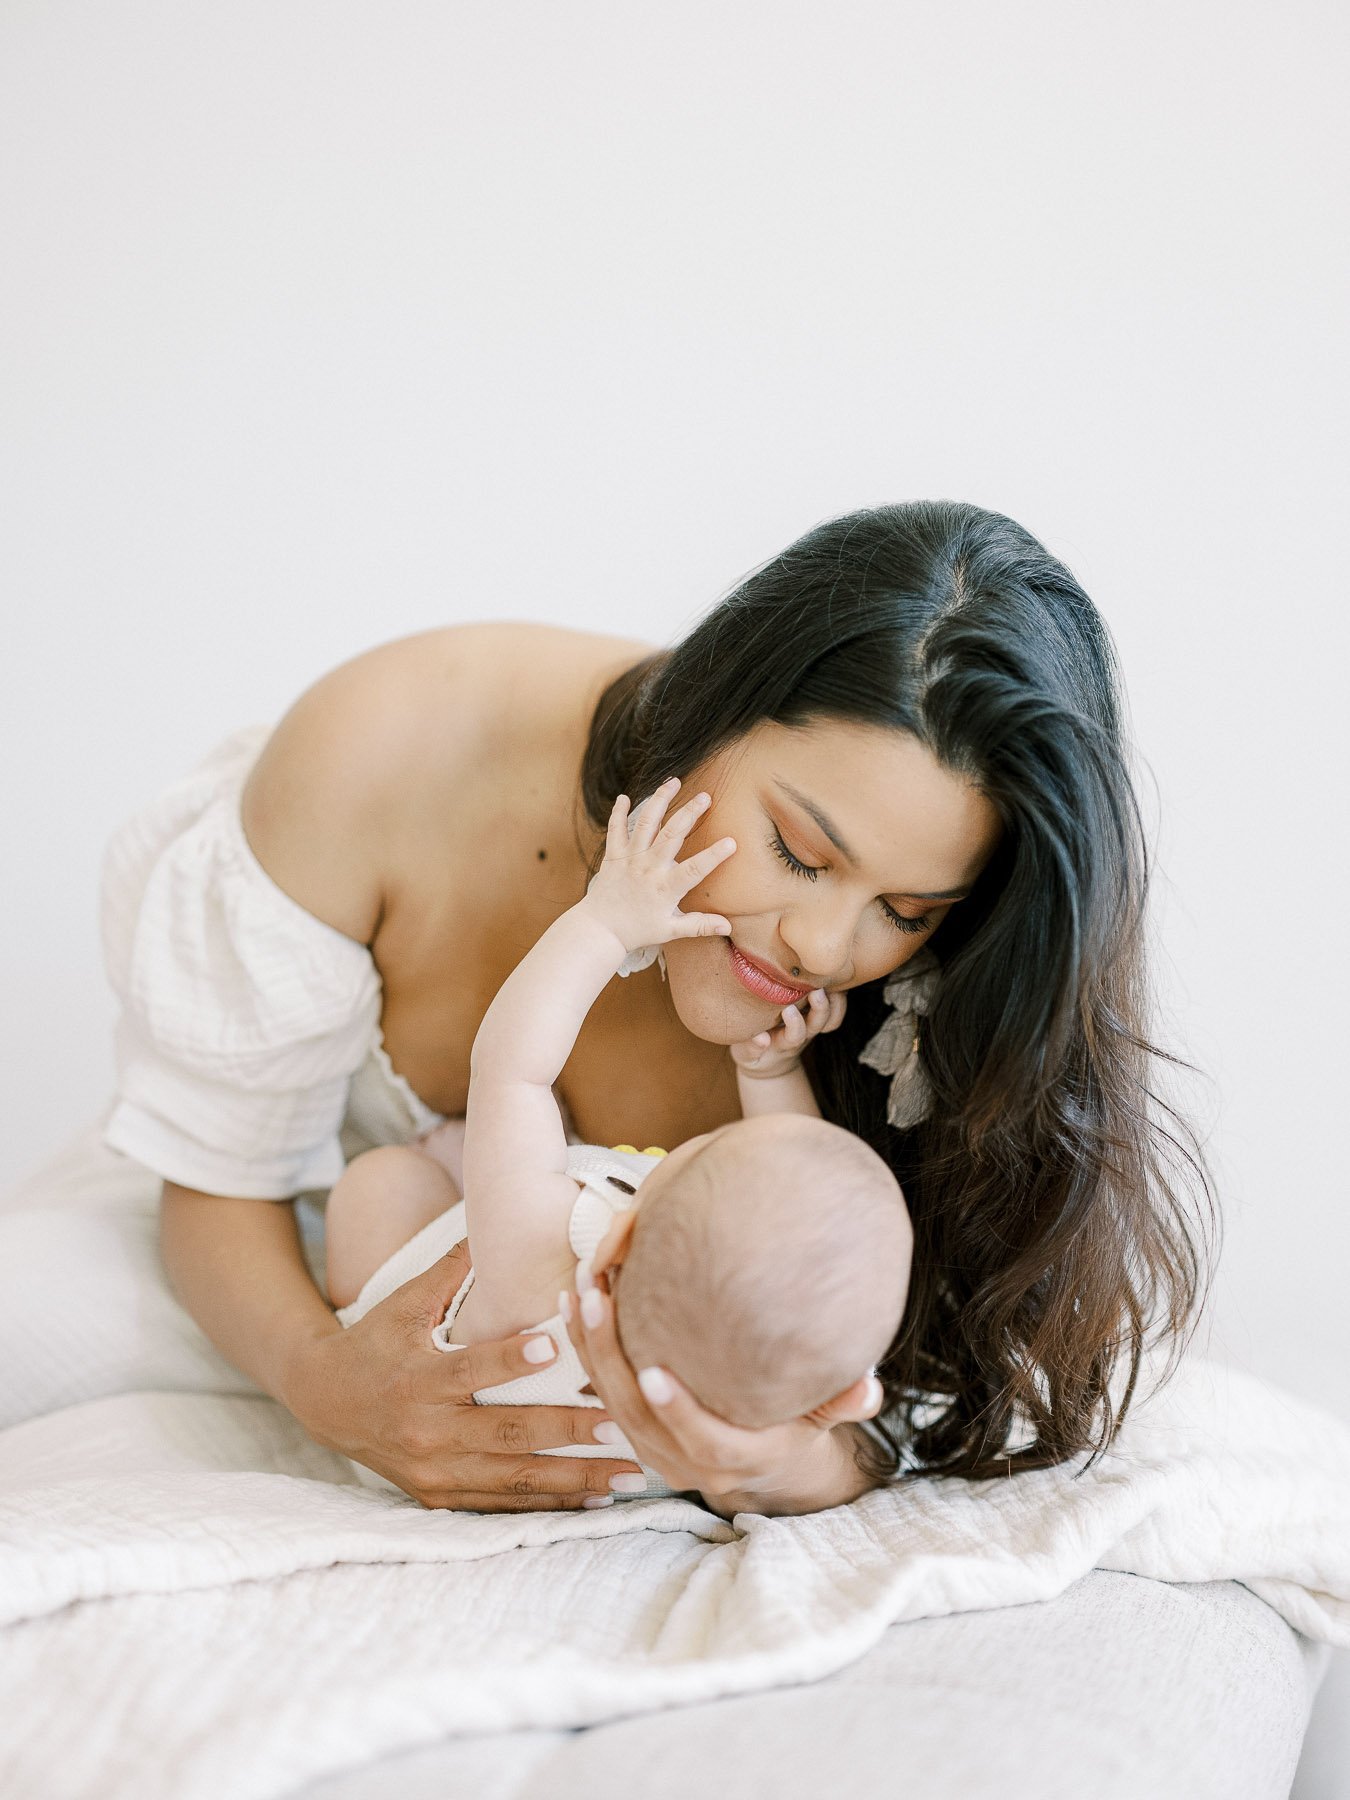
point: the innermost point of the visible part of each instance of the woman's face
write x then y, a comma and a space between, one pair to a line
842, 832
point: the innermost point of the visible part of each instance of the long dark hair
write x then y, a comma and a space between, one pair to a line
1051, 1187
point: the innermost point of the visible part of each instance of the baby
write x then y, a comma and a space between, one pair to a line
764, 1263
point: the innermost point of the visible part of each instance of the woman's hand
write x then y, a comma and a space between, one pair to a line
381, 1392
801, 1466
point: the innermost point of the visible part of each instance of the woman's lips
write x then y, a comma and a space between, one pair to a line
760, 983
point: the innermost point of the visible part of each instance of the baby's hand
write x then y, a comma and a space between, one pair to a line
637, 889
777, 1052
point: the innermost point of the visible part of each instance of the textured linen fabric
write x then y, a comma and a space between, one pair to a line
561, 1381
86, 1310
224, 1634
249, 1029
1121, 1688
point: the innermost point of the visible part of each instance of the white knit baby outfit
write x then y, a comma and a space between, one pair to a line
560, 1382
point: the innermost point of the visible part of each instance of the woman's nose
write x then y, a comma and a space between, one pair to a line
818, 941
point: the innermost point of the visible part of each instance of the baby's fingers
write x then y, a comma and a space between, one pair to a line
683, 820
792, 1033
699, 924
616, 833
817, 1015
646, 821
698, 867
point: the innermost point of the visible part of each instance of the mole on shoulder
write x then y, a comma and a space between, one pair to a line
543, 856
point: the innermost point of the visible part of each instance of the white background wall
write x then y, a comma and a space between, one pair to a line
324, 323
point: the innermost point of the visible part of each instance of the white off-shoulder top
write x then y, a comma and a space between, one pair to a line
249, 1054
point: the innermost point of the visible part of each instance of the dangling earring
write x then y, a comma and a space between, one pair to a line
894, 1050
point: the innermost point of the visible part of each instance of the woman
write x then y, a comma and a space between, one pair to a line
909, 722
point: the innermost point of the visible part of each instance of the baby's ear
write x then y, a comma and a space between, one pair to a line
613, 1246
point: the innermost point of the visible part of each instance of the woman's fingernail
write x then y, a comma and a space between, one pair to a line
607, 1432
655, 1384
565, 1306
592, 1310
593, 1500
584, 1277
628, 1484
539, 1349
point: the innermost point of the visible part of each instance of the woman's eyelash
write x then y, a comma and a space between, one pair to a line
901, 923
811, 870
780, 849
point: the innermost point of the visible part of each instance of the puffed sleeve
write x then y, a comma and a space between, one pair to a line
243, 1017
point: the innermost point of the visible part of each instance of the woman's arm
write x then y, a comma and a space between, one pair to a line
237, 1267
379, 1392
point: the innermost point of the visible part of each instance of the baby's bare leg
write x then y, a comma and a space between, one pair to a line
383, 1198
445, 1145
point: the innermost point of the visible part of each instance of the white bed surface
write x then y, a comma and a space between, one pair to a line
1121, 1688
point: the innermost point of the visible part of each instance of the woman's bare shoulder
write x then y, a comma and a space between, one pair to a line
369, 753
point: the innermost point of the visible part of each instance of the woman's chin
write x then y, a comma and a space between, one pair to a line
708, 999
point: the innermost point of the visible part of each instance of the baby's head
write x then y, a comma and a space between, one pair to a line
766, 1266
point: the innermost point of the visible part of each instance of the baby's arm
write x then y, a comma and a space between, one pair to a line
517, 1192
769, 1073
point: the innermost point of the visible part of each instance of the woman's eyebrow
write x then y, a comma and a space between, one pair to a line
831, 831
826, 825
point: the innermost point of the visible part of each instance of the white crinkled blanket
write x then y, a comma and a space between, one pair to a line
194, 1607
